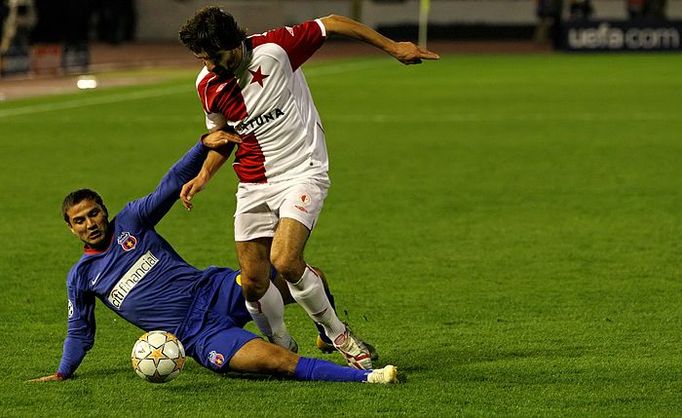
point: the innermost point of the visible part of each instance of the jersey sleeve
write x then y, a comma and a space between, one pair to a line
300, 41
214, 121
153, 207
80, 336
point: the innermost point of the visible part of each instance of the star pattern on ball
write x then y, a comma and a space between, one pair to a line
157, 355
180, 363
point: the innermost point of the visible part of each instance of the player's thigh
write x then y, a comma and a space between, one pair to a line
258, 356
254, 257
216, 348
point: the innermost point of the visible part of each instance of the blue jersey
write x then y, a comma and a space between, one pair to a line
139, 276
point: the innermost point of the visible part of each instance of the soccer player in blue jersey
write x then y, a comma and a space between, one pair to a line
133, 271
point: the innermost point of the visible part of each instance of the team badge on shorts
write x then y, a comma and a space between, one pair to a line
303, 202
127, 241
216, 359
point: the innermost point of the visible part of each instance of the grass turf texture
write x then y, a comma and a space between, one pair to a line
505, 229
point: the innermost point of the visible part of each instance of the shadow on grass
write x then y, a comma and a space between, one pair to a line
409, 361
105, 372
470, 356
123, 372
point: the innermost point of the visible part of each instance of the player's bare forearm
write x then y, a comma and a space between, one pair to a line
212, 164
214, 161
344, 26
221, 140
405, 52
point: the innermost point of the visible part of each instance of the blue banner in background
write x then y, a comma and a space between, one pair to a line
621, 36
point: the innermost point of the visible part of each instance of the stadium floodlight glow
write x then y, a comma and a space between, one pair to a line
86, 82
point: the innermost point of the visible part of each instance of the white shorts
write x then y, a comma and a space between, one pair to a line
261, 206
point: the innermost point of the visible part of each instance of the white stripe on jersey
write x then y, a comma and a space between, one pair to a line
271, 107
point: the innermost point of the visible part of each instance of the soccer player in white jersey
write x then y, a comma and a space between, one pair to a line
253, 86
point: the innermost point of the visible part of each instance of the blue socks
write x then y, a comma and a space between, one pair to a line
315, 369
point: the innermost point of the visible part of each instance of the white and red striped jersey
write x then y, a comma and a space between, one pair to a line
269, 104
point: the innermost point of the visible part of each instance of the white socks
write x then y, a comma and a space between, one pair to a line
268, 314
309, 293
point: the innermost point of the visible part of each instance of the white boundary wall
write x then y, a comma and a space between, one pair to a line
161, 19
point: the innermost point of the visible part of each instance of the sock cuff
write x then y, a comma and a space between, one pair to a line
254, 307
305, 280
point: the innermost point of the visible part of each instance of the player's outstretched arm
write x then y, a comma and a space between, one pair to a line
405, 52
54, 377
221, 143
213, 162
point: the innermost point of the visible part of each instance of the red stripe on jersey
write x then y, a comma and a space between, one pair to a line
300, 42
249, 161
228, 100
224, 96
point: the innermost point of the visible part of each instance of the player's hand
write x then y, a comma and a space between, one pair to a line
54, 377
219, 139
191, 188
409, 53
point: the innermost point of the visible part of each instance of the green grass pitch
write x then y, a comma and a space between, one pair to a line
505, 228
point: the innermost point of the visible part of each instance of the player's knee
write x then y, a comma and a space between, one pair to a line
254, 287
290, 266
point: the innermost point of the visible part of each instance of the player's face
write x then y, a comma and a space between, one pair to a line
223, 63
89, 222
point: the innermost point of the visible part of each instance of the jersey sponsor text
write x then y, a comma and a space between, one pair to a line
131, 278
259, 121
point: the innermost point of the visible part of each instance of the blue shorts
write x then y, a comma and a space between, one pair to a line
213, 329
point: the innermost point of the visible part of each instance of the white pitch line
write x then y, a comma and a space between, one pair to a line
145, 94
473, 117
81, 102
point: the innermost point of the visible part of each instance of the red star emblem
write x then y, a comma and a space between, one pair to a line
258, 76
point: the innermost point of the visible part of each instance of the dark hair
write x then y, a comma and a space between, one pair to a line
75, 197
210, 30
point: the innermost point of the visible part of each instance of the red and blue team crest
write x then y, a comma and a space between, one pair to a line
216, 359
127, 241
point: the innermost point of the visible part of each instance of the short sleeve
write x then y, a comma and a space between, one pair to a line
300, 41
214, 121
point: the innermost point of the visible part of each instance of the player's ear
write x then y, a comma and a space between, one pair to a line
67, 219
68, 225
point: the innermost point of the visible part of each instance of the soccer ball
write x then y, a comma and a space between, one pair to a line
158, 356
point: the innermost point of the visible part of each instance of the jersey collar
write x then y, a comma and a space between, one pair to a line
88, 250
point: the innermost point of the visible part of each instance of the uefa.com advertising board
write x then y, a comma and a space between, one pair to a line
621, 36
